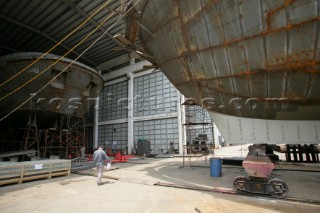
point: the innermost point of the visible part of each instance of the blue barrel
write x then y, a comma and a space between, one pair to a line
215, 167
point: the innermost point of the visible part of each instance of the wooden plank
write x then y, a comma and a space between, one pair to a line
34, 173
56, 170
35, 177
8, 176
3, 182
60, 174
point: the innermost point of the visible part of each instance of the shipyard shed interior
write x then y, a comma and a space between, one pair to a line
105, 90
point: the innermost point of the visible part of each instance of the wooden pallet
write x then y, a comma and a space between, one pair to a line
19, 172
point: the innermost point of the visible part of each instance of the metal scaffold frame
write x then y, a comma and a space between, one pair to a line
50, 139
190, 156
61, 136
196, 151
31, 136
64, 140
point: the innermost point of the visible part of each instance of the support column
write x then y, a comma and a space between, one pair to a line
181, 121
96, 123
130, 113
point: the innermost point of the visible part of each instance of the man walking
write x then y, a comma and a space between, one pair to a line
99, 158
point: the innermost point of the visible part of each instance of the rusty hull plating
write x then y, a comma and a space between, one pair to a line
245, 58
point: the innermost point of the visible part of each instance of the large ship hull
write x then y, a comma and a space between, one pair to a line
242, 59
237, 130
71, 93
43, 103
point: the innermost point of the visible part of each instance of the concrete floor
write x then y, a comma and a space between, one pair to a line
135, 191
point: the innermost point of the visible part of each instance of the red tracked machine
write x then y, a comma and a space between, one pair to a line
258, 166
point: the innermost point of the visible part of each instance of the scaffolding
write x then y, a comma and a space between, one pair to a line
65, 139
31, 137
56, 136
198, 126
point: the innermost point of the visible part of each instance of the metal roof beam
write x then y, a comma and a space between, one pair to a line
86, 16
44, 35
9, 49
117, 60
125, 70
113, 62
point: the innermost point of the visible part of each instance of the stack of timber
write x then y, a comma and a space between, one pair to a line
19, 172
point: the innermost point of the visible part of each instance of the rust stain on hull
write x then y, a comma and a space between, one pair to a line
239, 49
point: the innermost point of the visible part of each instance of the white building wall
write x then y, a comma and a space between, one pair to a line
153, 110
